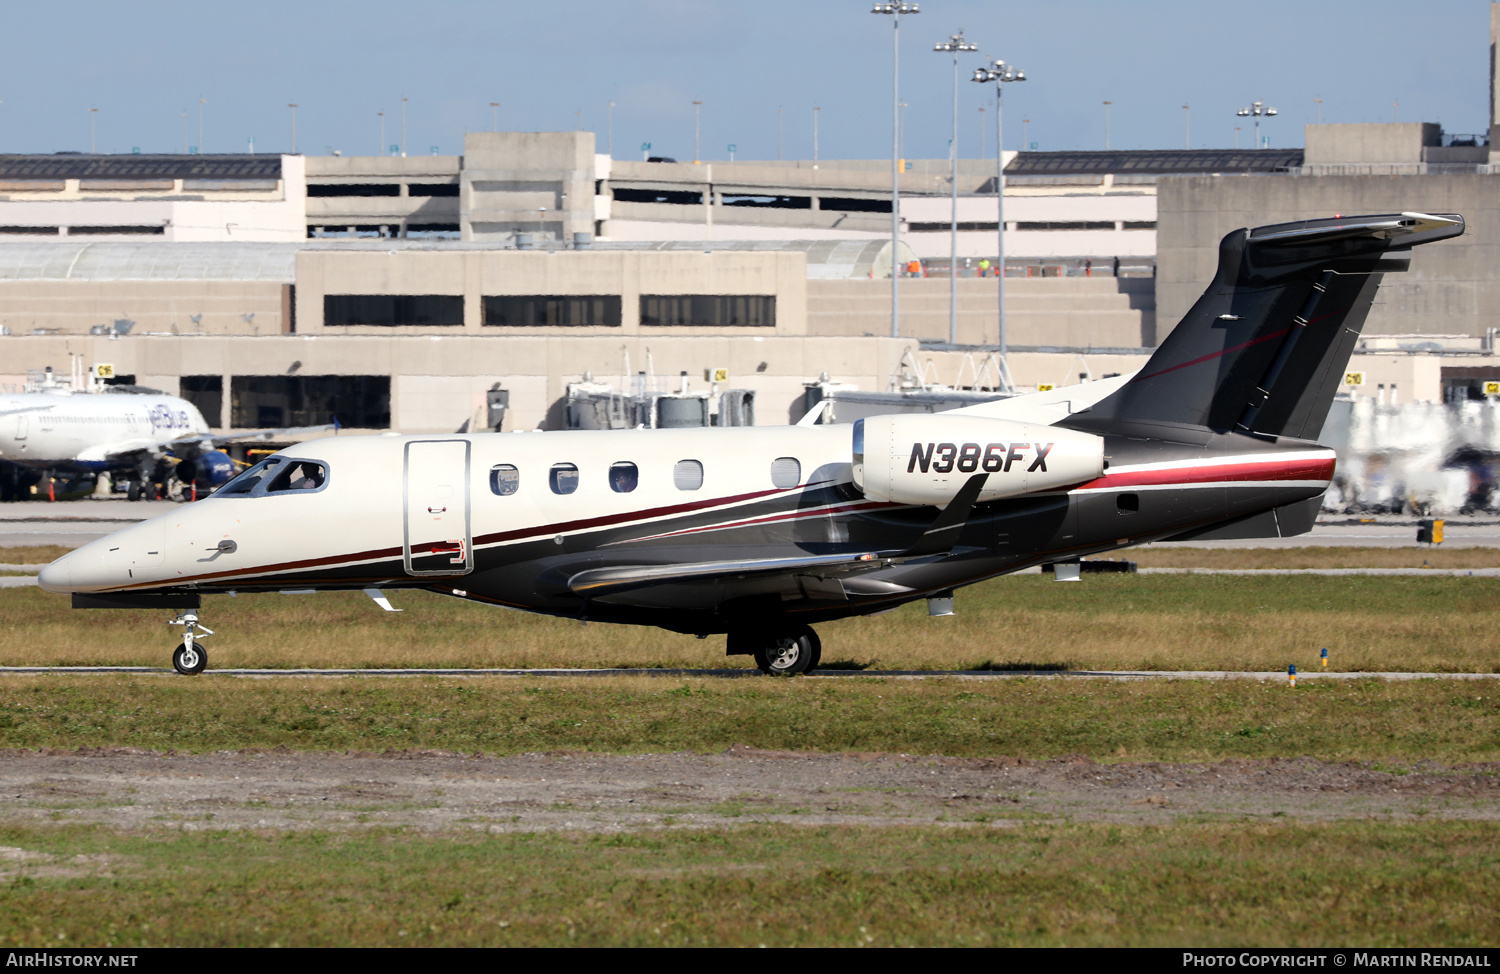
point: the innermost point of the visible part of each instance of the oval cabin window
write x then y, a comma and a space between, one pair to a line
504, 479
563, 477
623, 477
688, 475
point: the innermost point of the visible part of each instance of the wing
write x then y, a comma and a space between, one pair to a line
118, 450
601, 582
201, 442
815, 576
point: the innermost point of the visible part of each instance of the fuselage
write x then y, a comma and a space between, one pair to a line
91, 431
510, 518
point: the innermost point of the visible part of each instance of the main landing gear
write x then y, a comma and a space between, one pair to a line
779, 652
189, 659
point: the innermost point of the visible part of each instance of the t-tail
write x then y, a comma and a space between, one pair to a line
1264, 350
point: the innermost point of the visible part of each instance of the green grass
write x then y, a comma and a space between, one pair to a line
1371, 884
1104, 622
1166, 720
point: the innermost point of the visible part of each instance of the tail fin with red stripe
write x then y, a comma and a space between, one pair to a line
1265, 348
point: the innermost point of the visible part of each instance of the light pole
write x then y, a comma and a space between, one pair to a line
293, 107
403, 128
1025, 134
955, 44
983, 134
1187, 127
895, 10
697, 120
999, 72
1236, 136
93, 115
1256, 111
494, 116
1106, 125
383, 150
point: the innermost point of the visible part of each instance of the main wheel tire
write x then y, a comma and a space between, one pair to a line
788, 653
133, 492
189, 662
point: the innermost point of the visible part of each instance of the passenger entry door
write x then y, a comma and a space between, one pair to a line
437, 538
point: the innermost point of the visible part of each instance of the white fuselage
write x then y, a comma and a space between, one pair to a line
428, 501
45, 428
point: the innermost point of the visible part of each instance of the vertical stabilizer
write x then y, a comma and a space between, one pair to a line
1265, 348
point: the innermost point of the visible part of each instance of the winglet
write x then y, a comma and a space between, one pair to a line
943, 534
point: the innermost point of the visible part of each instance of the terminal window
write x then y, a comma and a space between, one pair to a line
534, 310
207, 393
709, 310
274, 401
393, 310
353, 189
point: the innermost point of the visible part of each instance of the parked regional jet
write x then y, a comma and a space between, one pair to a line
761, 532
117, 429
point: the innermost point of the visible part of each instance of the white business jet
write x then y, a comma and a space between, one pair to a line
761, 532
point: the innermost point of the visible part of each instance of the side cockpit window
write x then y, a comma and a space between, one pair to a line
298, 475
252, 478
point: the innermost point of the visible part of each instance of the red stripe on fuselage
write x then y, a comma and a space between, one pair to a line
537, 531
1269, 471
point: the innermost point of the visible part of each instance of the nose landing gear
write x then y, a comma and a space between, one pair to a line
189, 659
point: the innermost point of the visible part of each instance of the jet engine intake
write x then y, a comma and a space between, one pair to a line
925, 458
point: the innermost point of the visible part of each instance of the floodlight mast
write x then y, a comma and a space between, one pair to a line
895, 10
999, 72
1256, 111
954, 45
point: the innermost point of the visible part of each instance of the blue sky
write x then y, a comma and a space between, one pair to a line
142, 64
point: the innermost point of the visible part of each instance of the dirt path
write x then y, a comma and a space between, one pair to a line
592, 792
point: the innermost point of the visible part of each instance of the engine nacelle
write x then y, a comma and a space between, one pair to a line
925, 458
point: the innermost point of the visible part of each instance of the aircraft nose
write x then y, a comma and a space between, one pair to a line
58, 576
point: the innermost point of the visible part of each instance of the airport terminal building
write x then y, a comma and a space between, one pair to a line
404, 292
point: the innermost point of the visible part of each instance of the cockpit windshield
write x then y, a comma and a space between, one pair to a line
277, 475
246, 482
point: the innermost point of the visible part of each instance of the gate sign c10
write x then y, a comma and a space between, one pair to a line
1354, 378
715, 375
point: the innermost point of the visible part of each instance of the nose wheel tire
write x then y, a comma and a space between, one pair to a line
789, 653
189, 660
